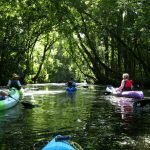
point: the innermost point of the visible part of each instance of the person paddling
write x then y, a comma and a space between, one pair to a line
126, 84
14, 82
71, 83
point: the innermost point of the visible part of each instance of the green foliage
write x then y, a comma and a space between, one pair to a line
50, 41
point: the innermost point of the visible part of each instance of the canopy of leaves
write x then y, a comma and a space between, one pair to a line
52, 40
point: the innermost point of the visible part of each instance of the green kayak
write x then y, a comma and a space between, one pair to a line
10, 100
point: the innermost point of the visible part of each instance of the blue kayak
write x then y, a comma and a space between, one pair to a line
59, 143
71, 89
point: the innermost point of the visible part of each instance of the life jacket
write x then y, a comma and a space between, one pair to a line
14, 84
128, 85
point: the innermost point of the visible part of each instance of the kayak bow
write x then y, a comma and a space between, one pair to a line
59, 143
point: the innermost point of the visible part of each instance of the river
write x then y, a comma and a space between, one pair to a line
93, 120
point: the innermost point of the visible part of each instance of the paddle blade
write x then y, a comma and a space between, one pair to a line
27, 105
106, 93
109, 89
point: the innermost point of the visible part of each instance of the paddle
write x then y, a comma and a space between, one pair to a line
25, 104
106, 93
141, 103
28, 105
109, 90
12, 97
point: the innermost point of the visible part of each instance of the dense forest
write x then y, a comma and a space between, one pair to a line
53, 40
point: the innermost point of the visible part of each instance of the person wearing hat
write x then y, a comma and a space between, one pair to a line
14, 82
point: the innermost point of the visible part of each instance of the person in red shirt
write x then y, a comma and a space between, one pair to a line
126, 84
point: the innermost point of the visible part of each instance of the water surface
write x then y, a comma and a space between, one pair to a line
94, 121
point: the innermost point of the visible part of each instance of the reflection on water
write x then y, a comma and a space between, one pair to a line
123, 105
71, 95
93, 120
8, 117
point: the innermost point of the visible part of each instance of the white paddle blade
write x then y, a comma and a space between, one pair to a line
111, 89
108, 89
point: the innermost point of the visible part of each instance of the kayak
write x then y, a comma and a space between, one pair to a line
10, 100
132, 94
59, 143
71, 89
85, 85
128, 94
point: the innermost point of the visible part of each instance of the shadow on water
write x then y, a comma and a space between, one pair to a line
93, 120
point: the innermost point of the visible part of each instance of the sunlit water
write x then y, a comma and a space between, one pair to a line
94, 121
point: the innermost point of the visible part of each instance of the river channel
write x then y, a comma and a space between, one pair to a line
93, 120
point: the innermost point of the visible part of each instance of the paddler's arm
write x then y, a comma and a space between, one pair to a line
121, 86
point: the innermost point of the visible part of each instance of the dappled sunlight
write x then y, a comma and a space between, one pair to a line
46, 84
42, 92
94, 120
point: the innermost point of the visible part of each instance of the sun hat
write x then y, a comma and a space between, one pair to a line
14, 75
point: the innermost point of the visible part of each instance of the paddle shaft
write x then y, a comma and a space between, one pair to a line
26, 105
12, 97
107, 93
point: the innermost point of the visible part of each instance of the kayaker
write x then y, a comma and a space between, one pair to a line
71, 83
14, 82
126, 84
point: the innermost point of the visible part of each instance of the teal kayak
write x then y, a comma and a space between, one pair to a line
59, 143
10, 100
